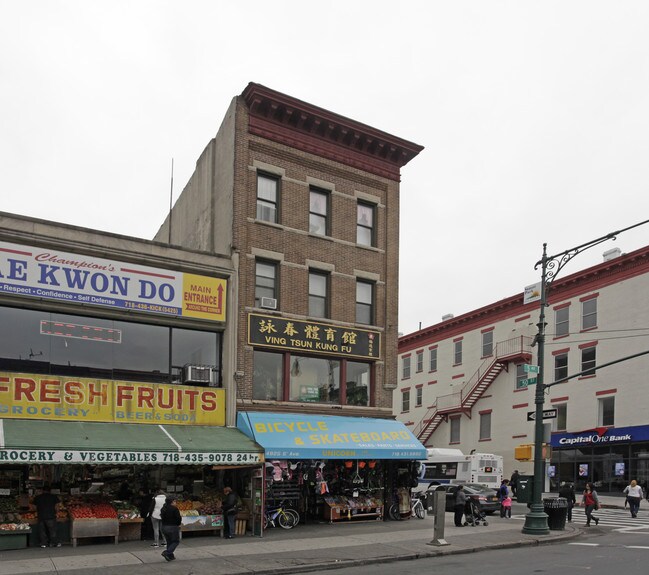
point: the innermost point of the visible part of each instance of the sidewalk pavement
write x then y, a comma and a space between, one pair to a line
311, 547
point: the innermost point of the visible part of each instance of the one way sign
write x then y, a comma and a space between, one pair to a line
547, 414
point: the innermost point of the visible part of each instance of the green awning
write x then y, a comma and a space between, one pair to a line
39, 441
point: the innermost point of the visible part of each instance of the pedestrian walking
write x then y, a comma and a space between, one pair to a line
590, 501
507, 507
171, 521
633, 495
567, 491
513, 482
46, 511
503, 492
460, 503
157, 504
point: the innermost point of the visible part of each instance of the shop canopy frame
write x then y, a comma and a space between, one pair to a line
74, 442
302, 436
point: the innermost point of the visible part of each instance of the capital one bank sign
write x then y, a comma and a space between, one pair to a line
601, 436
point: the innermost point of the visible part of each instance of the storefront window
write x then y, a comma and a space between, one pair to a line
268, 376
313, 379
22, 346
78, 345
358, 383
144, 352
34, 341
199, 348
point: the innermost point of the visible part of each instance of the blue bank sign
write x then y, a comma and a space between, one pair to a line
601, 436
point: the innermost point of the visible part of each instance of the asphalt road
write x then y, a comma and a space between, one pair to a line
602, 551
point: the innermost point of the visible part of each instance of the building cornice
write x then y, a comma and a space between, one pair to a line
591, 279
292, 122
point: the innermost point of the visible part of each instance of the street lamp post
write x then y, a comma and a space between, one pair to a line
536, 521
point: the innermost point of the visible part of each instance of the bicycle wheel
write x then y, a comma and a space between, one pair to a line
393, 512
419, 510
294, 514
266, 521
285, 521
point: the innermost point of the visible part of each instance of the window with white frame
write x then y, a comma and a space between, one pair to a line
420, 361
433, 359
405, 400
588, 360
405, 367
455, 430
487, 343
265, 281
457, 352
364, 302
606, 411
267, 198
485, 425
365, 235
561, 421
318, 294
560, 366
561, 321
589, 313
419, 396
318, 212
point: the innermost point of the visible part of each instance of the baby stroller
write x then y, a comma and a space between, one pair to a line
473, 513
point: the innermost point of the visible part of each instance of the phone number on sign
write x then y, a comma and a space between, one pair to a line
212, 458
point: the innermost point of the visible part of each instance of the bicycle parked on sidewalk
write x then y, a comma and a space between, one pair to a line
281, 516
417, 508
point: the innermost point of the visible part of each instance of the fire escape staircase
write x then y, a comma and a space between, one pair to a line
512, 350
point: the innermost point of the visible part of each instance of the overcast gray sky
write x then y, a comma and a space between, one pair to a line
534, 115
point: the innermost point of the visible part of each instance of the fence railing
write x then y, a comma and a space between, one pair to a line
510, 348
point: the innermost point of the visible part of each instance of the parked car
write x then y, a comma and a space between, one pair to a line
485, 496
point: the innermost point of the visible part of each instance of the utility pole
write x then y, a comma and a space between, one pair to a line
536, 521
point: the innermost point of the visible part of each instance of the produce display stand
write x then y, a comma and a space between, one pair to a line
338, 509
83, 528
130, 529
14, 539
194, 523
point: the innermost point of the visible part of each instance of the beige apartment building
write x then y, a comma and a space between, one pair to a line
461, 382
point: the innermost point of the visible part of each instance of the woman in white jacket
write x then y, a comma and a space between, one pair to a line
156, 507
633, 495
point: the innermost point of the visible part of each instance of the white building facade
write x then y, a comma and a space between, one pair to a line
462, 381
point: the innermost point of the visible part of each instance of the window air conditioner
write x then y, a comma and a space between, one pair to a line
269, 302
204, 374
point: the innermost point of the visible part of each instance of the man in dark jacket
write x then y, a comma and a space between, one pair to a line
567, 491
46, 509
171, 521
229, 512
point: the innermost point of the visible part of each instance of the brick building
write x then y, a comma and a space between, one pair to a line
307, 203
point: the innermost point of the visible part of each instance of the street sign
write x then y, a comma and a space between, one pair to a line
527, 368
547, 414
526, 382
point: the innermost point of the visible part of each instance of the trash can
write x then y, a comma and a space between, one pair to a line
525, 489
556, 509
